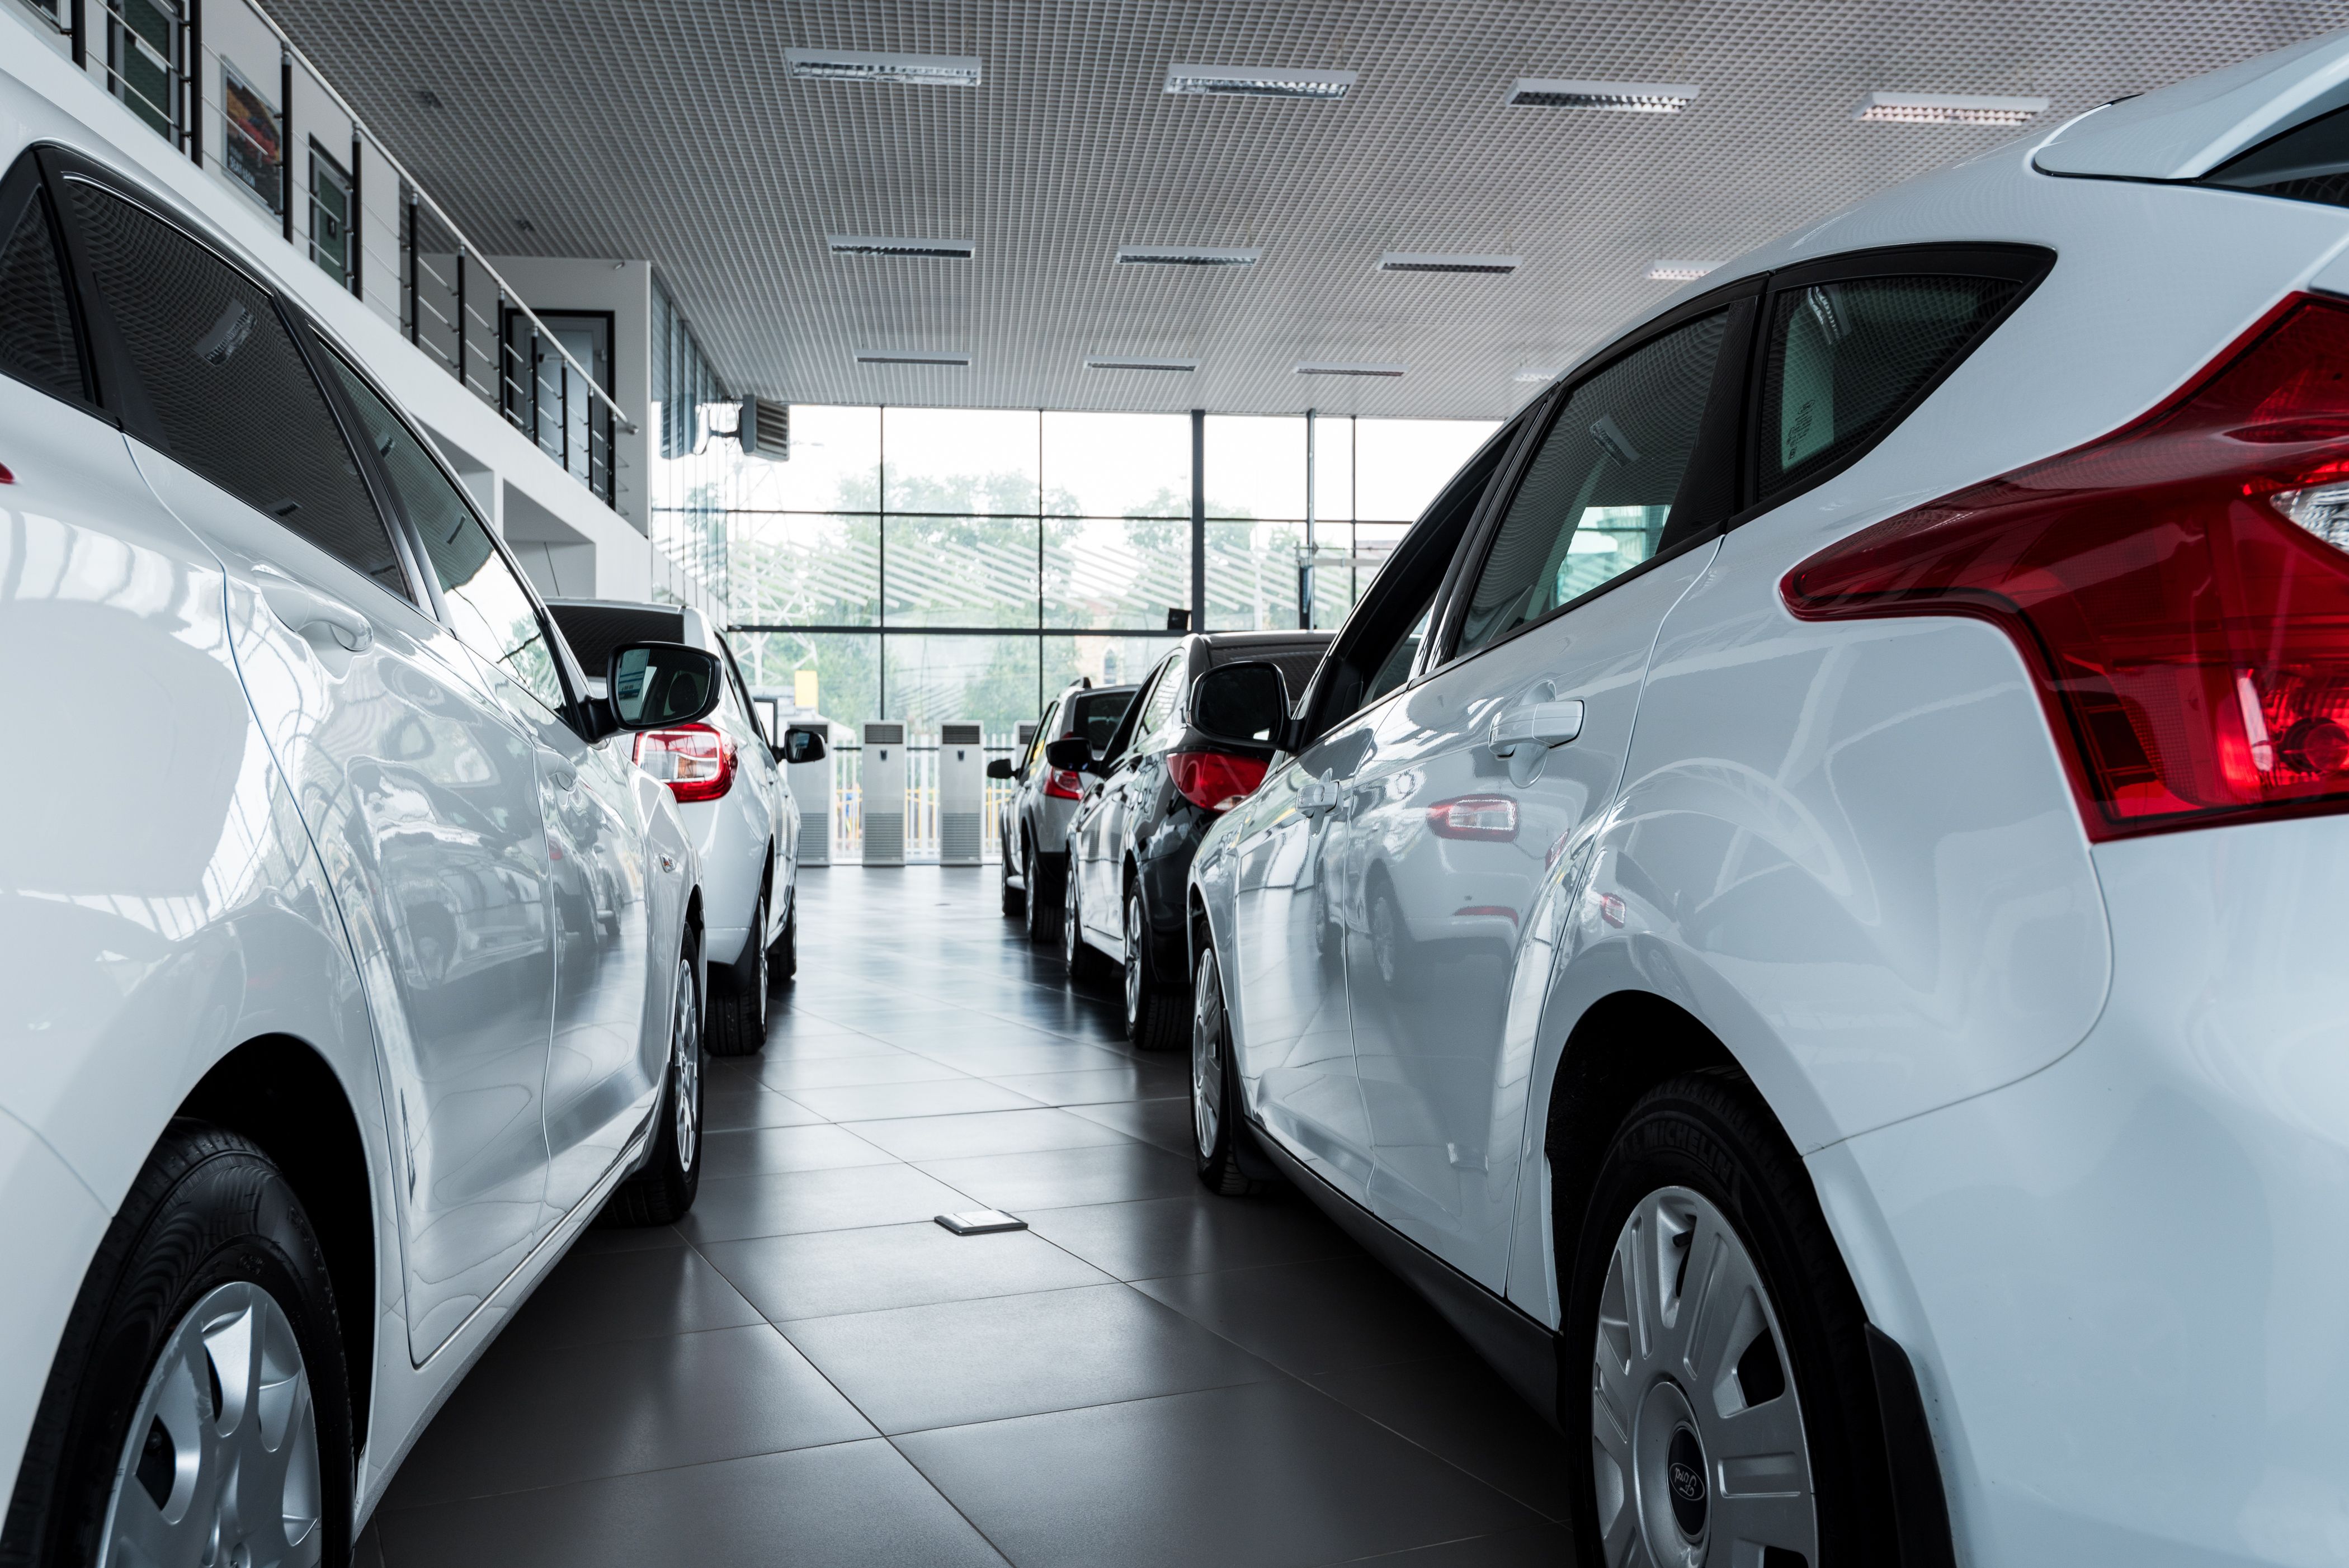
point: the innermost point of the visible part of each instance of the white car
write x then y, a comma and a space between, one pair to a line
733, 793
348, 973
1891, 1101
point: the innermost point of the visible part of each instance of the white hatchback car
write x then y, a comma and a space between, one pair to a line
735, 796
355, 972
1891, 1100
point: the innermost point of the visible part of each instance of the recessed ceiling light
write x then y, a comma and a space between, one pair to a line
906, 70
1341, 368
1189, 255
896, 356
1250, 81
1948, 109
1126, 363
1680, 272
1626, 97
1446, 262
875, 245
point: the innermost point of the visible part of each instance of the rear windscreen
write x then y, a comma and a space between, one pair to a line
594, 630
2307, 163
1096, 713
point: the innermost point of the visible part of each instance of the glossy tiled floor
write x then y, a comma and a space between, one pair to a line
808, 1370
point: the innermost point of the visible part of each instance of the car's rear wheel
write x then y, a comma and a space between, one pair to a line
198, 1409
1076, 955
1214, 1098
1042, 905
1719, 1383
664, 1190
1157, 1018
784, 957
737, 994
1015, 900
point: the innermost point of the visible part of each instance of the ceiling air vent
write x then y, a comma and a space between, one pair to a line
1948, 109
1189, 255
1445, 262
1123, 362
1679, 271
1250, 81
764, 428
1347, 370
875, 245
907, 356
1625, 97
906, 70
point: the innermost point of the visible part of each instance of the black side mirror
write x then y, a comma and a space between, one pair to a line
1245, 703
1071, 753
801, 744
999, 768
656, 686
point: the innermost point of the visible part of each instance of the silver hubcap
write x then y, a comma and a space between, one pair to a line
1697, 1443
1133, 956
685, 1064
1072, 928
220, 1466
1207, 1055
759, 935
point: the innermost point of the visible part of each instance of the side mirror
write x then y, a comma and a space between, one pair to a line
656, 686
801, 744
1000, 768
1245, 703
1070, 754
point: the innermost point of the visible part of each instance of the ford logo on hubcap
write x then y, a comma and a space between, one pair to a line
1684, 1473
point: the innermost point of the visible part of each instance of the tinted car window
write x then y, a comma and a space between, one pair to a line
594, 630
36, 335
1158, 705
1597, 495
1844, 359
230, 391
1046, 731
1096, 716
1395, 668
488, 608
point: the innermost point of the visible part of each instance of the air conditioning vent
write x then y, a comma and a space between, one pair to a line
875, 245
1188, 255
765, 430
1349, 369
902, 70
1948, 109
1624, 98
1444, 261
894, 356
1107, 363
1679, 271
1249, 81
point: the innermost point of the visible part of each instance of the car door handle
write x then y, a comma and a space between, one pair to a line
308, 613
1538, 727
1318, 797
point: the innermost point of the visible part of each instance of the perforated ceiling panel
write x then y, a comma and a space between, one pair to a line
673, 131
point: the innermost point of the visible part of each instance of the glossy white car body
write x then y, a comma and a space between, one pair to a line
2077, 1111
469, 1037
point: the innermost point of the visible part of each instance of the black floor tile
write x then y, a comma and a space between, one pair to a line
1543, 1546
875, 1103
1165, 1123
1062, 1178
740, 1109
1309, 1318
770, 1151
826, 1273
1036, 1053
1262, 1476
1143, 1079
596, 1296
1457, 1408
795, 1202
791, 1074
924, 1137
1195, 1231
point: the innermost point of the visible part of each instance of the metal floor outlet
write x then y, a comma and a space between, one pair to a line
810, 1369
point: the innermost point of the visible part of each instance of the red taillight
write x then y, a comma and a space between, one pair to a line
696, 761
2180, 587
1214, 780
1490, 818
1062, 785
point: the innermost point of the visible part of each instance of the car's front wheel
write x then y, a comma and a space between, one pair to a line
198, 1409
664, 1190
1155, 1016
1214, 1098
1720, 1385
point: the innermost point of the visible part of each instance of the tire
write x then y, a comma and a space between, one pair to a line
1041, 903
784, 956
211, 1240
737, 996
1080, 961
664, 1190
1215, 1097
1015, 900
1157, 1016
1699, 1157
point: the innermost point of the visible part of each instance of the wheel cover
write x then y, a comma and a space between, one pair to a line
225, 1479
759, 940
1132, 957
1207, 1055
1073, 940
685, 1066
1030, 914
1688, 1469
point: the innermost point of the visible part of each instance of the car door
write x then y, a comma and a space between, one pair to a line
1466, 818
421, 799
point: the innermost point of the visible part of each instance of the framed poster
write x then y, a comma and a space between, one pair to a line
252, 150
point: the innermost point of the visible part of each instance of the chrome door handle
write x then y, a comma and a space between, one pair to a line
1536, 727
1318, 797
307, 613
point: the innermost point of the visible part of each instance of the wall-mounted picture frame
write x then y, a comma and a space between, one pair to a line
252, 146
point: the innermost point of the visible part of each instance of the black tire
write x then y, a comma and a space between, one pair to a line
737, 996
1708, 1134
1158, 1016
1076, 955
784, 956
1041, 906
209, 1210
664, 1190
1015, 900
1214, 1089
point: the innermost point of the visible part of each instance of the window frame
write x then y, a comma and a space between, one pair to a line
22, 184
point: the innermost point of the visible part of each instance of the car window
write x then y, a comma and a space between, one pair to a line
1046, 733
1845, 359
594, 630
742, 693
489, 609
1096, 716
1597, 495
231, 394
36, 333
1159, 706
1395, 668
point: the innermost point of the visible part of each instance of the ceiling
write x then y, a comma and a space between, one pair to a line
673, 132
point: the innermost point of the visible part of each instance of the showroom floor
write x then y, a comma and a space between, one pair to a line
808, 1370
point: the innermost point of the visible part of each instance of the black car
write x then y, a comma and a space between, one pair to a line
1163, 778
